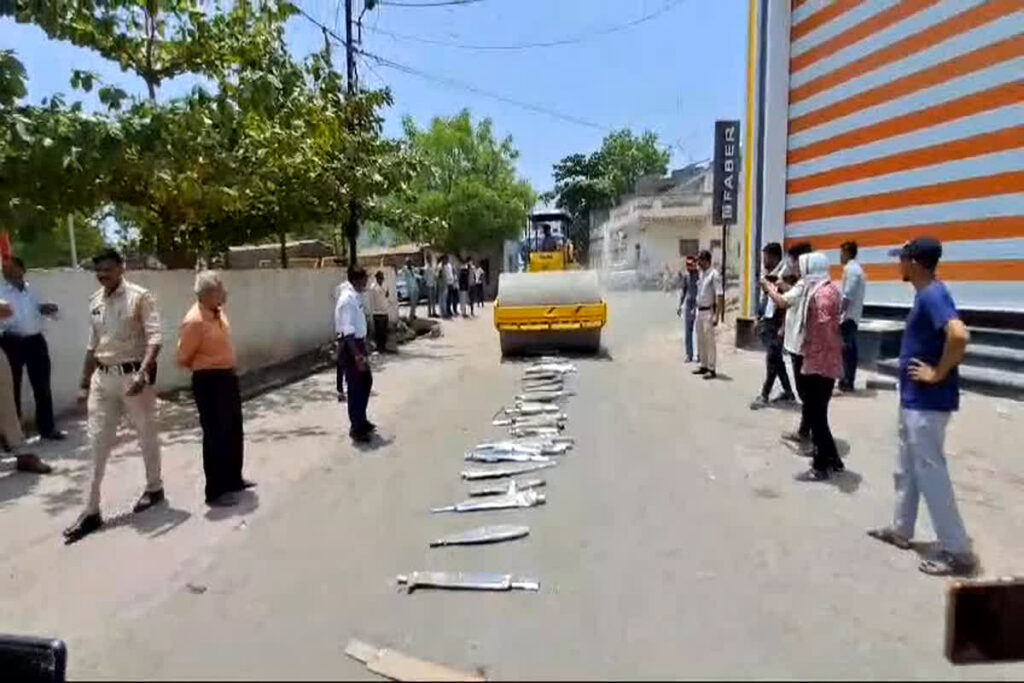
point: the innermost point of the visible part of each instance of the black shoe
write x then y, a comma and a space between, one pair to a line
785, 398
246, 484
27, 462
360, 438
148, 500
370, 427
341, 398
55, 435
85, 525
224, 500
701, 371
710, 374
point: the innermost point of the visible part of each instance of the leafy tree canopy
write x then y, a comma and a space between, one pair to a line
586, 183
466, 191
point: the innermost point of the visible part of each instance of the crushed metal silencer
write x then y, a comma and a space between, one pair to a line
485, 534
474, 581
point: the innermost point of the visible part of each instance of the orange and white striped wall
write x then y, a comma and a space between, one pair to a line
881, 120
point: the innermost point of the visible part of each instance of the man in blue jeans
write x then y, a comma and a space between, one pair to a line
853, 306
934, 343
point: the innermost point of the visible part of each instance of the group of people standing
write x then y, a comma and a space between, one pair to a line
118, 378
450, 289
816, 321
459, 289
702, 306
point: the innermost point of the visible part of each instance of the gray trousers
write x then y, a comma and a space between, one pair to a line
921, 471
689, 320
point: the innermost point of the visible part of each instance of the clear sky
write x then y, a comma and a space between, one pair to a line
674, 73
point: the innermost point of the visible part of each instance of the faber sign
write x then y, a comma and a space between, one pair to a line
727, 172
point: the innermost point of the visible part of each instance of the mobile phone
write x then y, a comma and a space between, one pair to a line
985, 621
33, 660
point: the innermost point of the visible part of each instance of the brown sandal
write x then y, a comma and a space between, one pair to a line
887, 534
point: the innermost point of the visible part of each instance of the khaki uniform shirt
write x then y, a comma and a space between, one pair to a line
123, 324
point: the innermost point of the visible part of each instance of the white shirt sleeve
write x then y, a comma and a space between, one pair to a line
343, 322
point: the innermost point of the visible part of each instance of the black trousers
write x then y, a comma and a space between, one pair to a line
775, 365
360, 382
33, 354
849, 331
220, 414
453, 301
801, 390
380, 332
818, 393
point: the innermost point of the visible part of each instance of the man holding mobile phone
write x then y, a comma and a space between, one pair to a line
350, 327
117, 379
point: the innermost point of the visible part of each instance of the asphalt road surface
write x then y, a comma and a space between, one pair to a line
674, 543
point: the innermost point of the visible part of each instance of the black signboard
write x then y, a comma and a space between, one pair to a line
727, 172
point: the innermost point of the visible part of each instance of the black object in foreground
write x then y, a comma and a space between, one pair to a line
985, 621
33, 660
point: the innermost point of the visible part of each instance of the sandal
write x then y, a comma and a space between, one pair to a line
948, 564
887, 534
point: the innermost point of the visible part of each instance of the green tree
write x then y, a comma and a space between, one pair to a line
467, 187
587, 183
157, 40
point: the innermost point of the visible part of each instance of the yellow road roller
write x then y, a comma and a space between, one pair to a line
553, 306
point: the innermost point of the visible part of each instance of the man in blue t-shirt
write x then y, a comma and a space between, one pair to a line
934, 343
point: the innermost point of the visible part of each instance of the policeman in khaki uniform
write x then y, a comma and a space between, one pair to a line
117, 379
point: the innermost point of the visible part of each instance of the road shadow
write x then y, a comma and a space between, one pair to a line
154, 522
846, 481
375, 443
784, 406
603, 354
246, 501
857, 393
843, 447
15, 484
277, 435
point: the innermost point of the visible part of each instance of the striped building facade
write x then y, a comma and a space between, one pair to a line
892, 119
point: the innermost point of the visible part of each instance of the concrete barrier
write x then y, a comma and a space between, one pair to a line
275, 315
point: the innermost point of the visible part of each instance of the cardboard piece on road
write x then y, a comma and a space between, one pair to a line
401, 667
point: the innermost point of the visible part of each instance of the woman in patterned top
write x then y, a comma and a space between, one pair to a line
818, 316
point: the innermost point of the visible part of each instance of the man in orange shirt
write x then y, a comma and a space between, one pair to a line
205, 348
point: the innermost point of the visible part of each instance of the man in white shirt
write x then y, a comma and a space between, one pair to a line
478, 285
25, 346
444, 293
430, 280
710, 304
770, 327
350, 328
378, 296
853, 307
412, 287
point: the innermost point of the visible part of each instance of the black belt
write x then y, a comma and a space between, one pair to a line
123, 368
704, 308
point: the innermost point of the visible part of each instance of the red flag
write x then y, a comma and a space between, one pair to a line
5, 247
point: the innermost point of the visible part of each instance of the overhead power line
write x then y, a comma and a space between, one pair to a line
369, 57
571, 40
438, 3
451, 82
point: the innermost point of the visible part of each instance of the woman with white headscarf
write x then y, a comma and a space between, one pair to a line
812, 335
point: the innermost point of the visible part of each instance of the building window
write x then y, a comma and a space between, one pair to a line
688, 248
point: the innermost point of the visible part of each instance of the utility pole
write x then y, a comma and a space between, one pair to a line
352, 220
